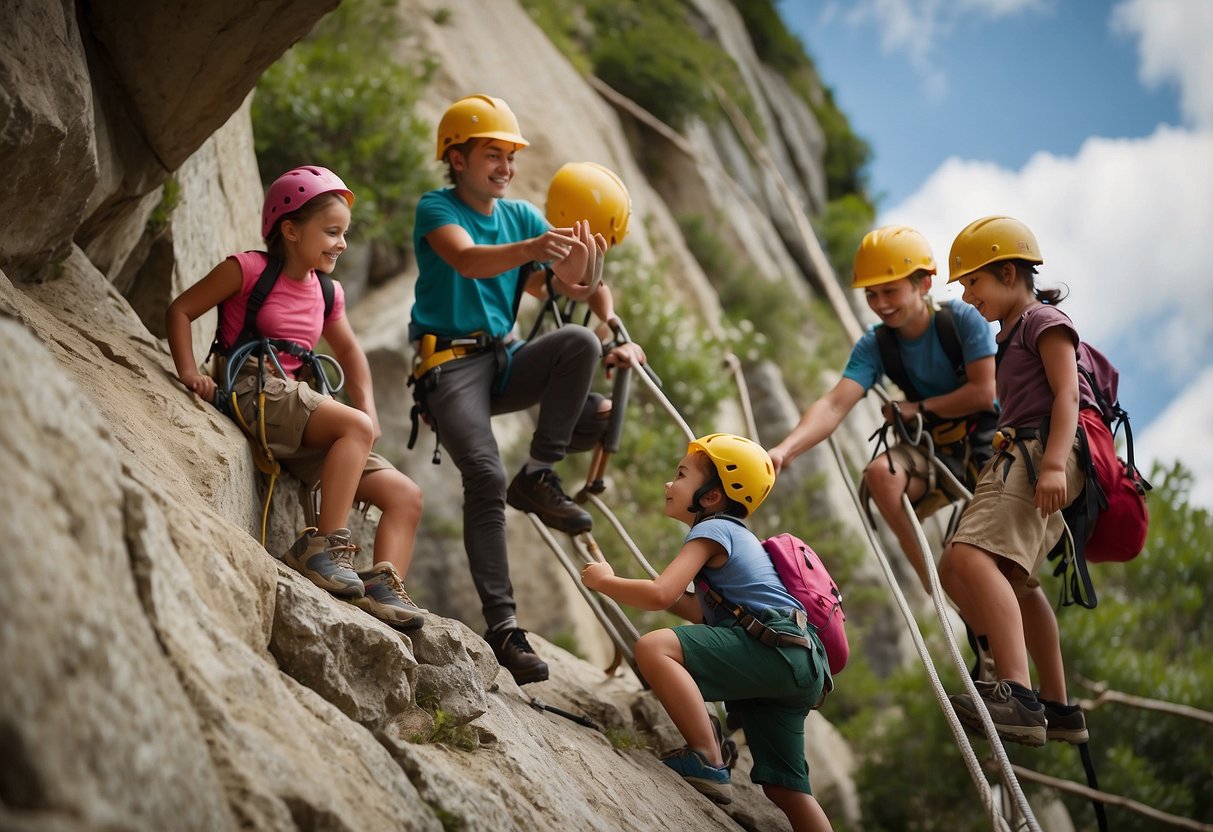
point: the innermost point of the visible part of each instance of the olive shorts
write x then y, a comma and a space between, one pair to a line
1003, 519
288, 406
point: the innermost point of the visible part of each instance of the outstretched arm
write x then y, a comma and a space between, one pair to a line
454, 245
666, 590
821, 419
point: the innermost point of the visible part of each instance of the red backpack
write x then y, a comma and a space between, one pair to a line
805, 578
1108, 521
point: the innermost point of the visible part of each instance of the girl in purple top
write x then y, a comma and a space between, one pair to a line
318, 439
990, 565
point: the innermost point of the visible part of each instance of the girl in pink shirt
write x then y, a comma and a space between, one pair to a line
315, 437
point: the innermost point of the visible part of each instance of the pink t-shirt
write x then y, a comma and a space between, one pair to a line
294, 309
1025, 398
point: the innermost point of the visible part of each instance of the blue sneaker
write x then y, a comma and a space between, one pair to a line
707, 779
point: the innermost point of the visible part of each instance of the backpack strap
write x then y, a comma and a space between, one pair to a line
949, 339
328, 292
261, 290
751, 624
894, 367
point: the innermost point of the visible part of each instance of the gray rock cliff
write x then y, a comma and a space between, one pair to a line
162, 671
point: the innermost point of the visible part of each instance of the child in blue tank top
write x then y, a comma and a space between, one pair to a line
721, 481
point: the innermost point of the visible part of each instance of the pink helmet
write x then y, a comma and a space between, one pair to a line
295, 188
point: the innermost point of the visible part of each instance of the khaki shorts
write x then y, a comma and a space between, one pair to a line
1003, 520
288, 406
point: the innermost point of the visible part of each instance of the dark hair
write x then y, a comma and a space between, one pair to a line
918, 277
732, 508
464, 148
1026, 272
273, 240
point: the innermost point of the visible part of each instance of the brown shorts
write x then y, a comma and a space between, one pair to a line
288, 406
1003, 520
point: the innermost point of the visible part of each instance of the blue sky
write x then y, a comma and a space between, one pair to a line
1090, 121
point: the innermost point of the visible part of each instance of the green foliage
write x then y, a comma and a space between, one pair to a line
841, 228
656, 52
622, 739
340, 99
1146, 637
447, 731
170, 198
847, 155
762, 322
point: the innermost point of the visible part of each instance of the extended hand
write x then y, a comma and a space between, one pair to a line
595, 574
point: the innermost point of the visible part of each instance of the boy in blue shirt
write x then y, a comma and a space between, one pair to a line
477, 252
894, 266
771, 683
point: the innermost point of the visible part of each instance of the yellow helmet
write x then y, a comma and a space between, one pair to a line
588, 191
743, 465
890, 253
478, 117
989, 240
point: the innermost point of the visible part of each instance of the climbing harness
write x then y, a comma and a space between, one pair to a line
253, 353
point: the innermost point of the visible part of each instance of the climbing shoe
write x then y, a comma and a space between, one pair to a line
386, 599
516, 655
1066, 723
1017, 714
540, 493
327, 561
707, 779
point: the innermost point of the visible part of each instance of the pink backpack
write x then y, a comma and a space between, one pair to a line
805, 578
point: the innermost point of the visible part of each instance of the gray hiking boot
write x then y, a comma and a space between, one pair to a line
540, 493
1014, 718
386, 599
1067, 723
326, 561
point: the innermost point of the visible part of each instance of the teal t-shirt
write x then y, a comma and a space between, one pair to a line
449, 304
924, 358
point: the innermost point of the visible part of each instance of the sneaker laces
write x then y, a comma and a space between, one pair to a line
397, 586
549, 480
517, 637
342, 553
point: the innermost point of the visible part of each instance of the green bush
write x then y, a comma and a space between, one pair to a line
339, 98
841, 228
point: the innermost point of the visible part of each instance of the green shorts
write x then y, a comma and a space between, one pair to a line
772, 689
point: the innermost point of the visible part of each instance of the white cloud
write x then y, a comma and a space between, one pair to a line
917, 27
1177, 434
1174, 45
1124, 224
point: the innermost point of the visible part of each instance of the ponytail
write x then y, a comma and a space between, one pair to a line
1027, 273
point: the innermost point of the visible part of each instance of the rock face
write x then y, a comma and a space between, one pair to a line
162, 671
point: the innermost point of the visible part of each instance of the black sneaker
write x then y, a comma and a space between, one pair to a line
516, 655
540, 493
1066, 723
